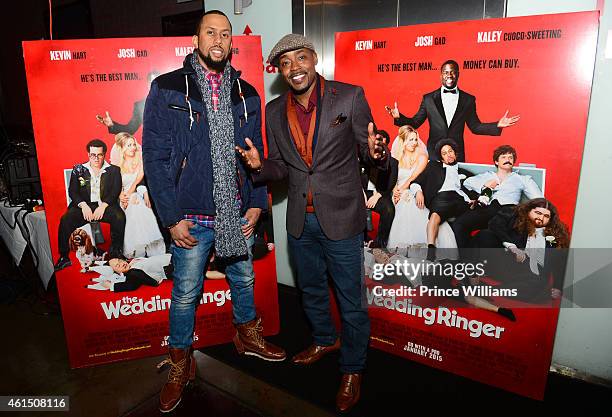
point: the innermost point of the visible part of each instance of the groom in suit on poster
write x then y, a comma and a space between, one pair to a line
448, 110
94, 190
439, 189
317, 132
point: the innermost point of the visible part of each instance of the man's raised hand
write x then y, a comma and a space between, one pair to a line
506, 121
250, 156
105, 120
375, 143
393, 112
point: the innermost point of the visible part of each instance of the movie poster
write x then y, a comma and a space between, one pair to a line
86, 89
538, 68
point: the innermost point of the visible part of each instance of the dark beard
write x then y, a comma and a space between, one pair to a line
217, 66
300, 92
532, 226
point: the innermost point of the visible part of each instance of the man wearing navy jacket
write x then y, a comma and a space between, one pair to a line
194, 117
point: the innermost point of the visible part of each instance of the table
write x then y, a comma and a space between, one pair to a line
36, 224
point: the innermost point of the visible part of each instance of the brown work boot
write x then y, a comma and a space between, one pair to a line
182, 370
313, 353
349, 392
249, 341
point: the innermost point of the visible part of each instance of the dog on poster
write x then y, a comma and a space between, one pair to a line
86, 252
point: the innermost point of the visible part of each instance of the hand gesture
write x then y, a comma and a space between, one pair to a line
393, 112
147, 201
181, 236
124, 199
519, 255
375, 143
99, 212
87, 213
373, 200
397, 194
251, 216
492, 183
420, 200
106, 120
250, 156
506, 121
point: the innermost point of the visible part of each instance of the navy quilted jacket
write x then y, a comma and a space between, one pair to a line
177, 152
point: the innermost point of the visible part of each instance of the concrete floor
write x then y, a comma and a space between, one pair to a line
34, 361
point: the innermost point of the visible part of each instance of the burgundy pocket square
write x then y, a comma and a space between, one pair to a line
339, 119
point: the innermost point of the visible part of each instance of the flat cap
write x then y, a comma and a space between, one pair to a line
288, 43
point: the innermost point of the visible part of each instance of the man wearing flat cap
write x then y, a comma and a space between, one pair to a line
317, 133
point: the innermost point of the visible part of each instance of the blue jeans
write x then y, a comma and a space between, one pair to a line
188, 277
314, 255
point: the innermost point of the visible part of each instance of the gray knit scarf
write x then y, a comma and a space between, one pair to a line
229, 240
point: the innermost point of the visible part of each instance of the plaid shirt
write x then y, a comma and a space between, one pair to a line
202, 220
214, 79
206, 220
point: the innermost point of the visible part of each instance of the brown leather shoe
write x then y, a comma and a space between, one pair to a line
182, 370
313, 353
349, 392
249, 341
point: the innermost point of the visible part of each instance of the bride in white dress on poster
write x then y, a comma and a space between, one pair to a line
142, 235
410, 222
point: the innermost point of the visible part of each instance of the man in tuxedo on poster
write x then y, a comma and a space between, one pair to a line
448, 109
439, 189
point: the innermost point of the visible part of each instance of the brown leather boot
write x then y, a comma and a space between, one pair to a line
182, 370
349, 392
249, 341
313, 353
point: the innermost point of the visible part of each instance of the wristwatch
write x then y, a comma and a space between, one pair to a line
173, 224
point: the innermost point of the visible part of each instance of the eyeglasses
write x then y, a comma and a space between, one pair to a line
96, 155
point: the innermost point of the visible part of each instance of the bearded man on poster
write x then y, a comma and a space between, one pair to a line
448, 109
534, 261
194, 117
316, 134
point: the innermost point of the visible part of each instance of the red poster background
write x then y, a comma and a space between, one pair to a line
66, 93
550, 89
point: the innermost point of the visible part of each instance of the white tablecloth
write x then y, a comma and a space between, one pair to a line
36, 224
12, 236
